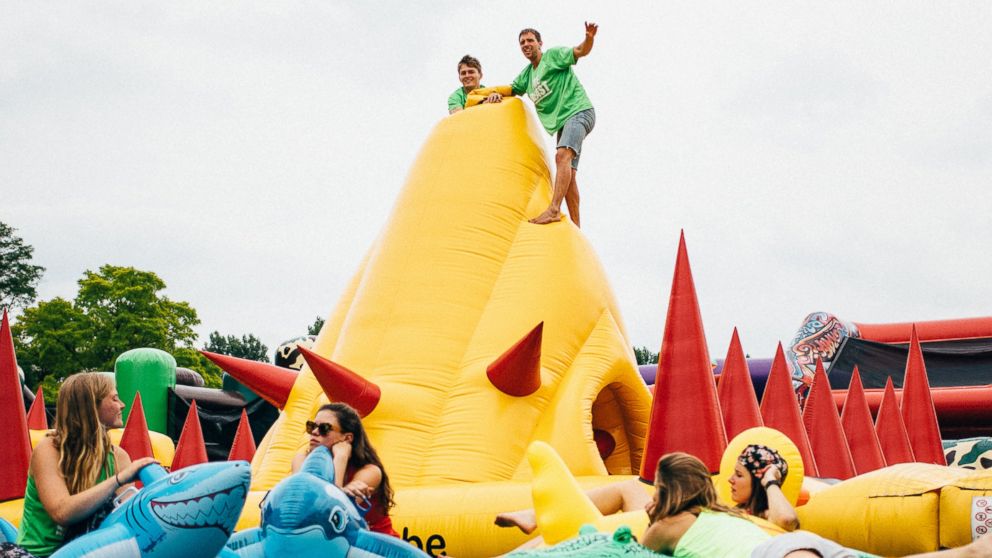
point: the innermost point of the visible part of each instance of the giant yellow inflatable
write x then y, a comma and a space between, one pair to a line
456, 278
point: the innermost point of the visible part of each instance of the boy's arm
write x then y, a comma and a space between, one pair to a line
585, 47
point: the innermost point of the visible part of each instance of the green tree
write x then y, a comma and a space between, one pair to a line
115, 310
645, 356
314, 328
52, 338
247, 346
18, 277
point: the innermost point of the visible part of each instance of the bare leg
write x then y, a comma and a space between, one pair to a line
572, 199
525, 520
563, 178
609, 499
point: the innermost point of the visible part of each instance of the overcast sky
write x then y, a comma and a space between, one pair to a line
830, 156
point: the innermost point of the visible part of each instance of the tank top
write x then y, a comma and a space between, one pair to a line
719, 535
377, 517
39, 534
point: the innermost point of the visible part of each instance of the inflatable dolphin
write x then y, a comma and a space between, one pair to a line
191, 512
308, 515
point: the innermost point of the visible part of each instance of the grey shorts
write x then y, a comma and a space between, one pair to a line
780, 545
575, 130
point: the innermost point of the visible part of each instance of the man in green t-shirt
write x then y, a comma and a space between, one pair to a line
469, 73
564, 109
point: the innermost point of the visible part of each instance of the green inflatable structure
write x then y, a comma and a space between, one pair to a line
153, 373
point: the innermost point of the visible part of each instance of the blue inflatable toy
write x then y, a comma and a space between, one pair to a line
308, 515
188, 513
8, 533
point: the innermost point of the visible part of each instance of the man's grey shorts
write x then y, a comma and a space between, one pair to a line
780, 545
576, 128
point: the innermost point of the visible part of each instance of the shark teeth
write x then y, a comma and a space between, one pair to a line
218, 509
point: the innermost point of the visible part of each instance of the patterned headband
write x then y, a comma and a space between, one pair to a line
756, 458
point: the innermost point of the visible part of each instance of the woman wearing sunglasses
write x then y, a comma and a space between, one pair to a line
357, 467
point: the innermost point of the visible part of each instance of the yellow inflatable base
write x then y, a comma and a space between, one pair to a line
896, 510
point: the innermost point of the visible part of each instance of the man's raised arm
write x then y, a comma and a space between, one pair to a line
585, 47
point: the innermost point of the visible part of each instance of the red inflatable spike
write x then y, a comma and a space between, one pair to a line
685, 412
14, 437
37, 418
861, 437
243, 447
341, 384
823, 427
780, 410
517, 372
135, 440
272, 383
736, 392
917, 408
891, 430
191, 449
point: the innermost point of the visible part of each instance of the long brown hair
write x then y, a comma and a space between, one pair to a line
80, 437
362, 452
683, 484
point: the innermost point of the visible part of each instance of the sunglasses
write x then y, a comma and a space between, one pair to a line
323, 428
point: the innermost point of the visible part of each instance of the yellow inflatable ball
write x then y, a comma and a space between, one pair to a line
767, 437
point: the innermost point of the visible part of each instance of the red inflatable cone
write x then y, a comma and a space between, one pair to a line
861, 437
917, 408
736, 392
780, 410
135, 440
272, 383
37, 418
243, 447
341, 384
891, 430
826, 435
14, 437
685, 413
517, 372
191, 448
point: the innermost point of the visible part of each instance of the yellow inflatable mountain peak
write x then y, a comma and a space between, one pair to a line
457, 277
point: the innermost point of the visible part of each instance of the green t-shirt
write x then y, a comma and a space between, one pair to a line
719, 535
458, 97
553, 87
39, 534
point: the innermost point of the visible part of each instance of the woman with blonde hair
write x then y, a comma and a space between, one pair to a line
76, 471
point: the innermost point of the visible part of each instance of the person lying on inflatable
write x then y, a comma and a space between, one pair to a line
687, 521
755, 488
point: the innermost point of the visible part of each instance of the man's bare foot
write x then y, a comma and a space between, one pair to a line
549, 216
525, 520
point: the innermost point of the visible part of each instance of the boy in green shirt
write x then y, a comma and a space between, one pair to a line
564, 109
469, 73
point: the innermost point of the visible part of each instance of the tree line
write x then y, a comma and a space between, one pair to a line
116, 308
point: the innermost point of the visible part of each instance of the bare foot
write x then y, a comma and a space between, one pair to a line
525, 520
549, 216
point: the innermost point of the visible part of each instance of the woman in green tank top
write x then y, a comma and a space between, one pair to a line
75, 470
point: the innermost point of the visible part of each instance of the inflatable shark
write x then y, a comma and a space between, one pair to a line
191, 512
8, 533
308, 515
